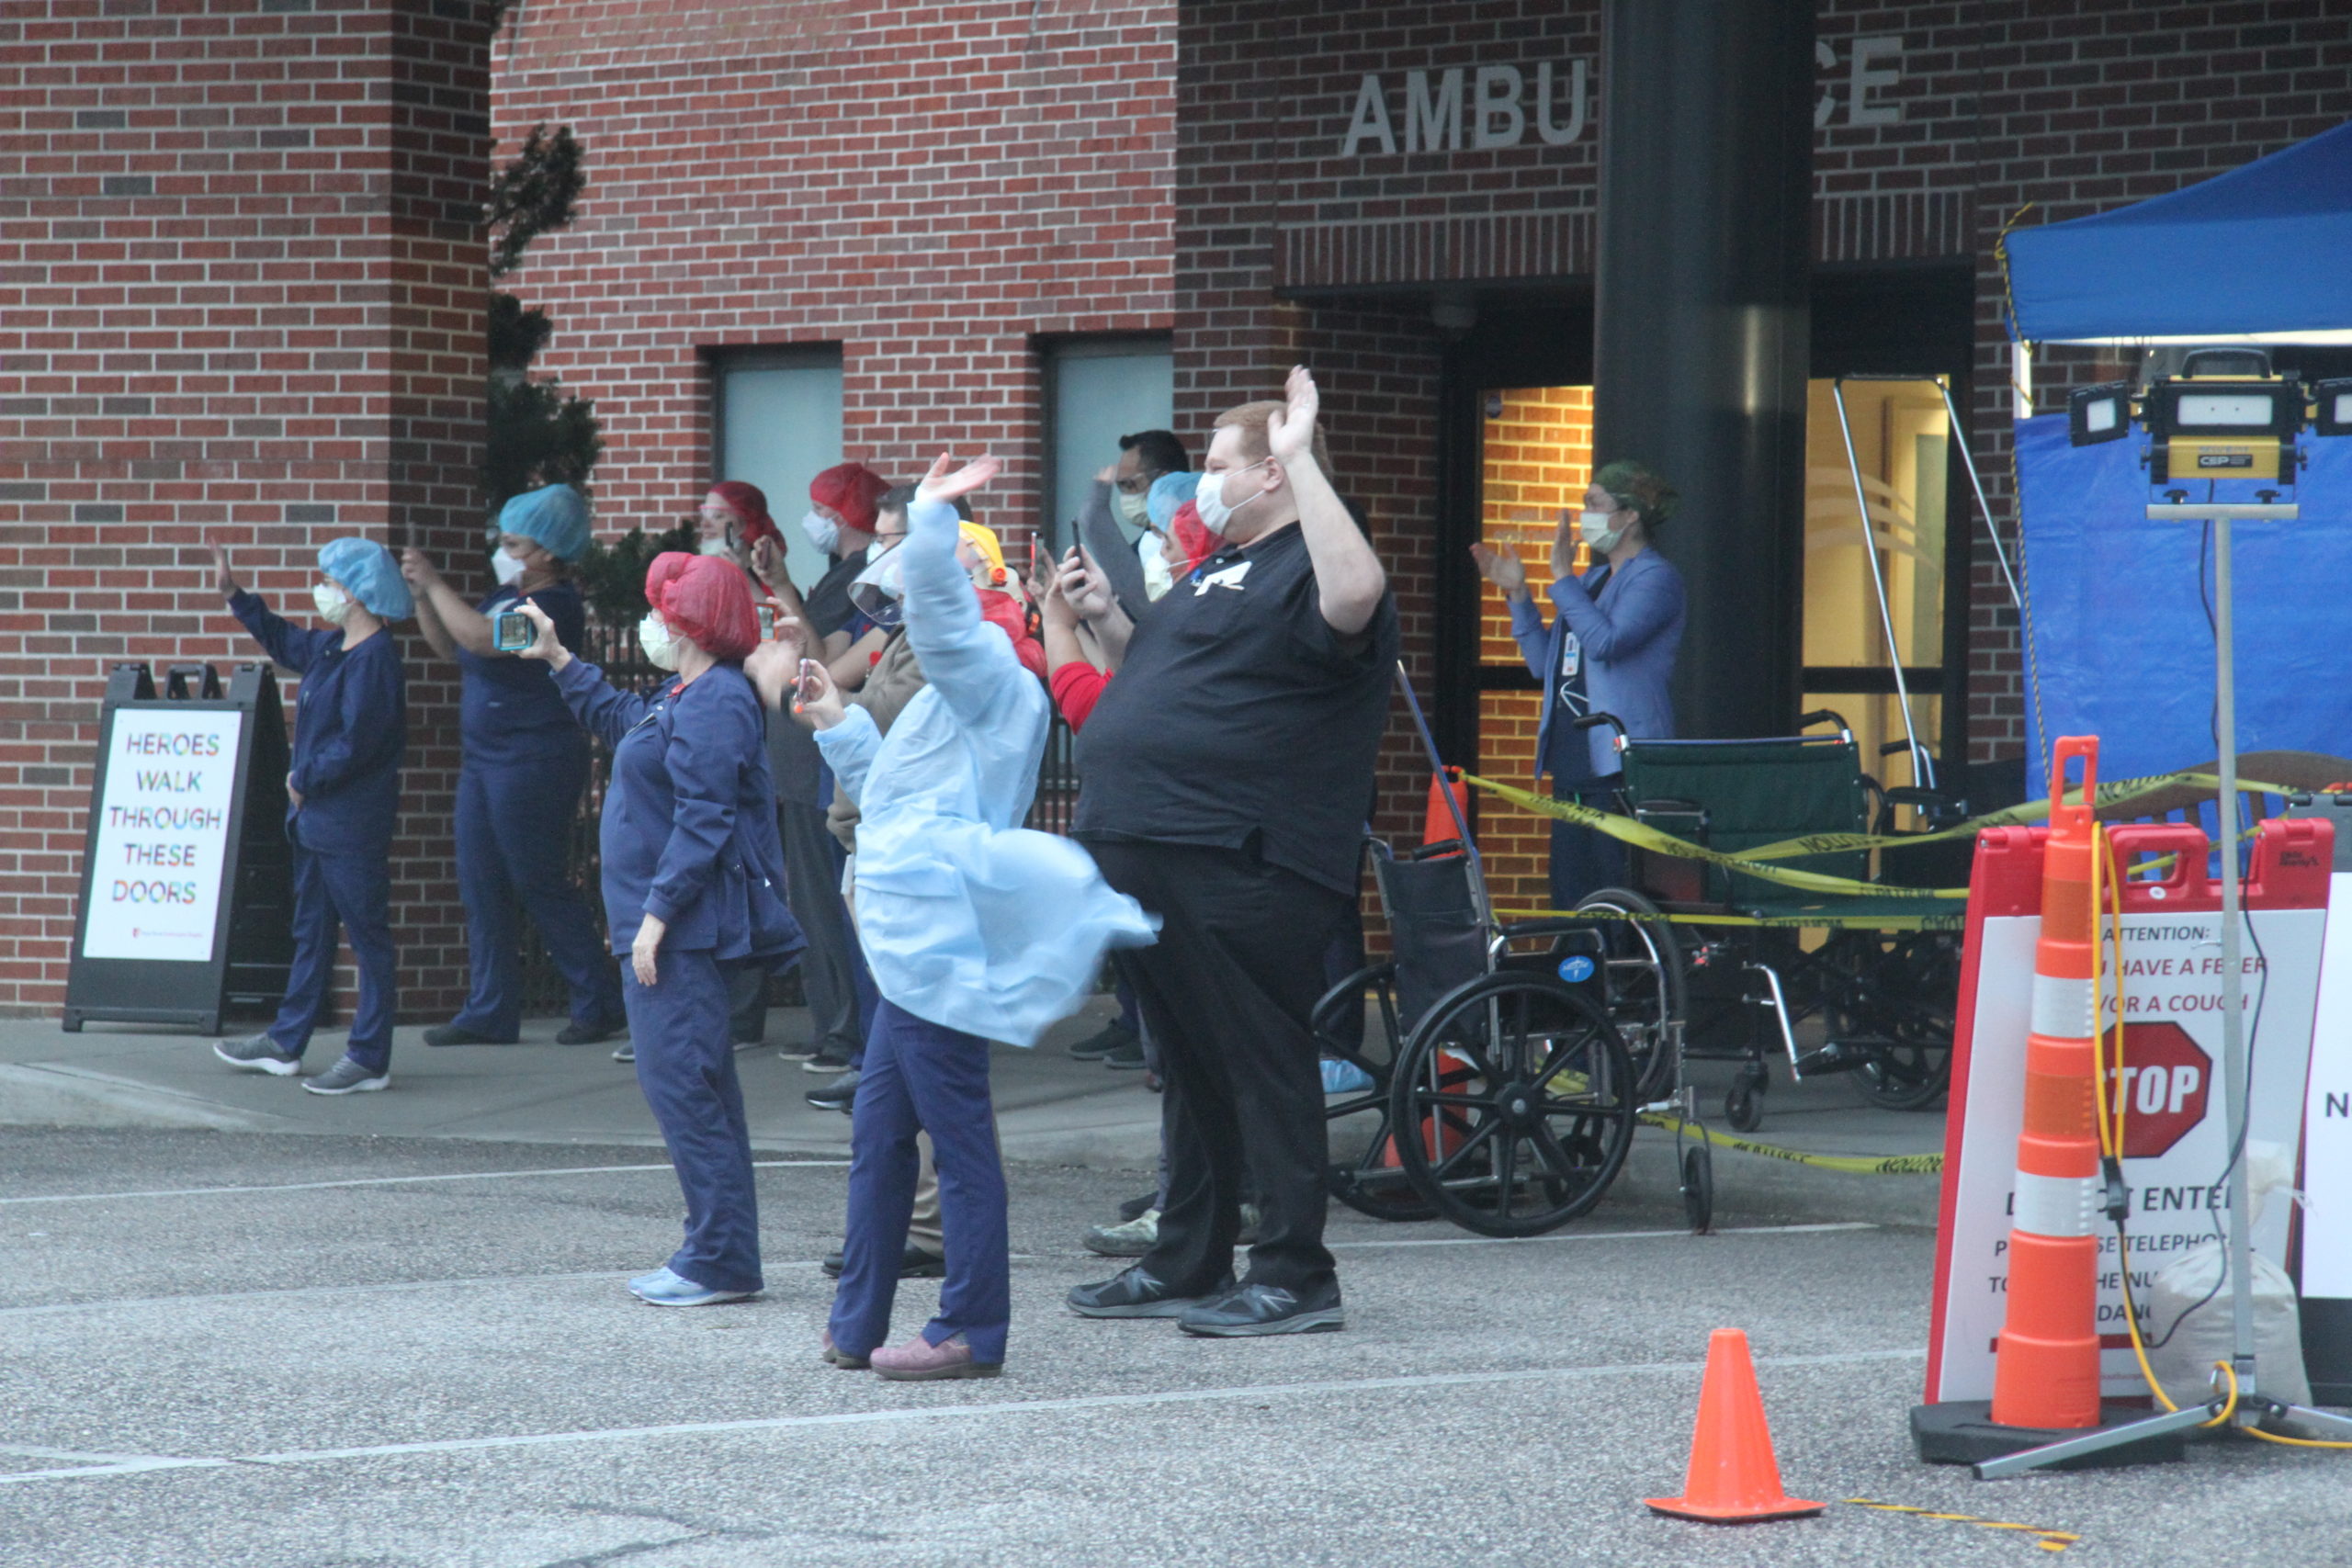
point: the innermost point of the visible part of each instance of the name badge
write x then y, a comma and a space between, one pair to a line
1571, 656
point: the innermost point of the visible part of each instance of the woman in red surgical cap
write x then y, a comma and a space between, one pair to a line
693, 890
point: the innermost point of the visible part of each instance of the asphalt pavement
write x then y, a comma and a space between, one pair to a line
238, 1347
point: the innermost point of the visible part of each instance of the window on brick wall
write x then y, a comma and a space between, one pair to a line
779, 424
1097, 389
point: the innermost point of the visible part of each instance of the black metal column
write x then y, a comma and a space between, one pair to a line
1702, 324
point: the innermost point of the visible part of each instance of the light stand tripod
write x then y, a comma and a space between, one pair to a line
2250, 1407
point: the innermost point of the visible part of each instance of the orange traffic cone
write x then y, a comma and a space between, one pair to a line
1733, 1478
1439, 823
2046, 1370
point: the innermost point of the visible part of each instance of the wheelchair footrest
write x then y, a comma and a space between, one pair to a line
1835, 1056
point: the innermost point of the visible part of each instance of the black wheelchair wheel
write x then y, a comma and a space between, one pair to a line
1515, 1101
1742, 1109
1647, 988
1363, 1169
1699, 1187
1898, 1000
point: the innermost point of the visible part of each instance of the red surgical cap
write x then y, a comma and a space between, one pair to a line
852, 490
753, 523
705, 600
1193, 537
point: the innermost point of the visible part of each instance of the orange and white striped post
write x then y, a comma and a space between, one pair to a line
2046, 1371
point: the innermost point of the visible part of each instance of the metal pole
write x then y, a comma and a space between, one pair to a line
1919, 774
1984, 507
2234, 1062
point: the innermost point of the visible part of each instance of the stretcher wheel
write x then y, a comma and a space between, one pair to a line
1699, 1187
1514, 1102
1647, 988
1743, 1108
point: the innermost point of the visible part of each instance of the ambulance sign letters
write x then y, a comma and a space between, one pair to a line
162, 835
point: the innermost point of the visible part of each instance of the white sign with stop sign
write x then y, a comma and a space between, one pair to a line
2176, 1143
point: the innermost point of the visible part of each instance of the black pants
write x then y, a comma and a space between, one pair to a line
1226, 992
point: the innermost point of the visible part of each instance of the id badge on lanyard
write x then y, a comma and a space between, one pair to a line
1571, 663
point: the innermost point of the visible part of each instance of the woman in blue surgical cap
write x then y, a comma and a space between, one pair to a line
525, 764
350, 728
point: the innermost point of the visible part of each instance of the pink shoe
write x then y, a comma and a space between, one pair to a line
841, 1358
919, 1360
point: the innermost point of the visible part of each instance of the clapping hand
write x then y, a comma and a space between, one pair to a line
1501, 568
221, 577
946, 482
418, 568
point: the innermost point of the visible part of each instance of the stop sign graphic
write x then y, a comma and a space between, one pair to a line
2162, 1087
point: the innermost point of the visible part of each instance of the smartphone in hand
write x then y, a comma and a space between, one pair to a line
767, 623
513, 632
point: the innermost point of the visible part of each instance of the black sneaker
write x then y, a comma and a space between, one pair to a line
348, 1076
259, 1053
836, 1095
1103, 1042
1126, 1057
914, 1263
595, 1033
459, 1034
1138, 1292
831, 1060
1267, 1309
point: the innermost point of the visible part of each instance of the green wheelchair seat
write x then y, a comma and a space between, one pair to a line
1742, 795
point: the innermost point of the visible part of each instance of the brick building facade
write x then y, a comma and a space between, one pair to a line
942, 203
244, 297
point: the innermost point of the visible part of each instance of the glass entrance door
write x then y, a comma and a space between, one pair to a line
1879, 569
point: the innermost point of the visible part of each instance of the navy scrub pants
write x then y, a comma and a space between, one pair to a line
355, 890
923, 1076
513, 851
687, 1067
1584, 861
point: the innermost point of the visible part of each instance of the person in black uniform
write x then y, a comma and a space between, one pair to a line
1224, 774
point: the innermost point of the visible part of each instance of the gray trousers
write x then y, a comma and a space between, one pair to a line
812, 874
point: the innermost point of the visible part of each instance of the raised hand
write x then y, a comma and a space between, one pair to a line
1500, 567
1084, 587
418, 568
547, 645
816, 702
767, 560
1291, 431
946, 482
221, 577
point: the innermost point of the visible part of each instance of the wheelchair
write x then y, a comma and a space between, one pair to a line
1498, 1078
1759, 957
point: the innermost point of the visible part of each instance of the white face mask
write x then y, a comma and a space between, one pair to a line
1157, 578
507, 568
334, 604
719, 547
822, 531
653, 636
1133, 510
1593, 528
1208, 498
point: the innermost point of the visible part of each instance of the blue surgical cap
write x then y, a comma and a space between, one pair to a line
1167, 493
555, 515
374, 578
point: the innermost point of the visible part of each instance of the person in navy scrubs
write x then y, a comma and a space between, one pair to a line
525, 763
342, 794
693, 890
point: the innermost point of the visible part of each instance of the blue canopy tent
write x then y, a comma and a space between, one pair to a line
2120, 607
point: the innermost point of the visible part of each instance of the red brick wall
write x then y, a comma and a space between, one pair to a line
243, 299
925, 186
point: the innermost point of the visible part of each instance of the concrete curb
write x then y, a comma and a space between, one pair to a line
33, 1095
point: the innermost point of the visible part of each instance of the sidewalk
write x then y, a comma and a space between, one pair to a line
1052, 1110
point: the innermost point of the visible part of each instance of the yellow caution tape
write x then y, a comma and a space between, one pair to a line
1890, 922
1627, 830
1852, 1165
2045, 1536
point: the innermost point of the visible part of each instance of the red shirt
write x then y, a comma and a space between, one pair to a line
1077, 687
